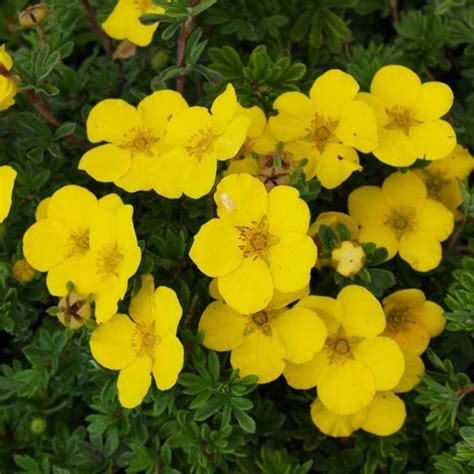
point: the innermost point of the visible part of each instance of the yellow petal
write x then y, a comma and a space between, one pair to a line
295, 112
405, 298
431, 316
167, 311
157, 109
42, 209
169, 360
332, 92
7, 180
434, 101
223, 327
385, 415
215, 249
396, 149
134, 382
404, 189
301, 332
223, 109
259, 354
357, 127
167, 173
111, 202
228, 144
141, 303
436, 220
5, 58
414, 369
346, 387
412, 337
71, 269
199, 176
107, 298
368, 206
247, 165
265, 143
382, 235
434, 139
138, 177
306, 376
257, 119
292, 259
110, 120
396, 85
336, 164
241, 199
186, 127
111, 342
383, 357
332, 424
106, 163
362, 313
328, 309
421, 251
45, 244
331, 219
281, 300
249, 288
287, 212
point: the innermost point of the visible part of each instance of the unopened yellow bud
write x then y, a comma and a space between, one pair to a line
348, 259
34, 15
74, 310
22, 271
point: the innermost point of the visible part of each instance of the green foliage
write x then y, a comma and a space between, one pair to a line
59, 411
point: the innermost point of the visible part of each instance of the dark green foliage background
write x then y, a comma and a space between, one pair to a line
59, 411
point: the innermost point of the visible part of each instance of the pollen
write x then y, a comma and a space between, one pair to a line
108, 260
144, 339
401, 118
342, 346
200, 143
435, 184
402, 220
79, 242
143, 5
321, 132
139, 139
396, 318
255, 239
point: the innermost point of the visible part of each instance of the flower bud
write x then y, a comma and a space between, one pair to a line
74, 310
348, 259
38, 425
22, 271
34, 15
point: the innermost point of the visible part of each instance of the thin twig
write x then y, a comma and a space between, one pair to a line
395, 15
464, 391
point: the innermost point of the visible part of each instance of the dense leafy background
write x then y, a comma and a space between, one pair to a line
59, 411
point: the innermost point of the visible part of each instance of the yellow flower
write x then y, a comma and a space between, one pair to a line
261, 342
384, 416
58, 242
113, 258
134, 136
327, 128
22, 271
408, 117
257, 244
8, 87
442, 178
142, 345
7, 181
414, 370
412, 320
198, 139
348, 258
124, 21
356, 360
401, 218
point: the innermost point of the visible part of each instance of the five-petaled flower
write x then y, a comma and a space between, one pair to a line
257, 244
400, 217
327, 127
143, 345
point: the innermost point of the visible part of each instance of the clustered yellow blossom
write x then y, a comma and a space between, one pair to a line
8, 87
259, 249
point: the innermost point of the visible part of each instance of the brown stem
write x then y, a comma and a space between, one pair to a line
395, 15
456, 234
464, 391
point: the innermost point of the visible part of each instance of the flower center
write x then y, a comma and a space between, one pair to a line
402, 220
435, 184
200, 143
322, 131
255, 239
261, 321
342, 346
401, 118
108, 260
144, 339
139, 139
142, 5
79, 242
396, 319
260, 318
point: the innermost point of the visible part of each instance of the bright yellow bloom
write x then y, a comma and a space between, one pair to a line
348, 258
261, 342
408, 117
326, 128
143, 345
401, 218
356, 360
257, 244
442, 178
412, 320
134, 136
124, 21
197, 140
384, 416
8, 87
7, 181
58, 242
